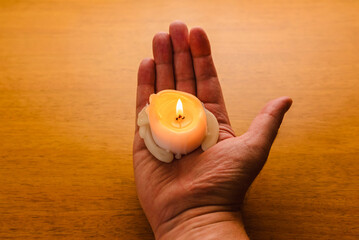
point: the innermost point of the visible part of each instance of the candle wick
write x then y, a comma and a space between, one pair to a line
180, 117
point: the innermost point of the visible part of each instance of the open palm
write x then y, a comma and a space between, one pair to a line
201, 182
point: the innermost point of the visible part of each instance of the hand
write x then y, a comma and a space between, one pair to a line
198, 196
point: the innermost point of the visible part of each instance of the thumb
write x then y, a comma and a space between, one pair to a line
264, 127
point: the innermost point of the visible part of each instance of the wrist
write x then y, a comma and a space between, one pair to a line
209, 222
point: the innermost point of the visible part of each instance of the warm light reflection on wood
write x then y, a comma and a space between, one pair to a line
67, 99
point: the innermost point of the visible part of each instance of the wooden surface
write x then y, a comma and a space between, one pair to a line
67, 95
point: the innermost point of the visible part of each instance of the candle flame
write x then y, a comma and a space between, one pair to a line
179, 108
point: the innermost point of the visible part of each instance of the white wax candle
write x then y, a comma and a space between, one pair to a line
176, 123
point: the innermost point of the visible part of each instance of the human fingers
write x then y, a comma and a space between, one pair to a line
145, 87
162, 54
183, 67
145, 83
208, 87
264, 127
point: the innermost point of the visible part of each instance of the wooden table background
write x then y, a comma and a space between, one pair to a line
67, 97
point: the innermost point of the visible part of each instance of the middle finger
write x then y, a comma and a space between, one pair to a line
183, 66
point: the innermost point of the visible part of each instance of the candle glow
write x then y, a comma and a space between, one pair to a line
167, 132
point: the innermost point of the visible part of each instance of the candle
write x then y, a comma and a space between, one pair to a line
177, 123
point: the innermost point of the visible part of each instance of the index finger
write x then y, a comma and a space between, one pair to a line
209, 90
208, 87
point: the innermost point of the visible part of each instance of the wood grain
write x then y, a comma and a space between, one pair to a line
67, 95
